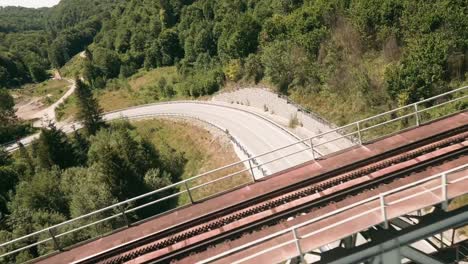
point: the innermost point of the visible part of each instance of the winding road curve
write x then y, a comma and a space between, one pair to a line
255, 133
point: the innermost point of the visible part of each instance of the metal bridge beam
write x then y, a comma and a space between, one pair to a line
418, 256
438, 223
403, 225
349, 242
394, 256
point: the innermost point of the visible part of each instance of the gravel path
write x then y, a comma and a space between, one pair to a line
31, 111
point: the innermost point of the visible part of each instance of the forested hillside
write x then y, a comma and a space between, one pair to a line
382, 53
410, 49
343, 59
32, 41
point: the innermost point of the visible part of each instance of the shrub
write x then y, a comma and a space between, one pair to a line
293, 121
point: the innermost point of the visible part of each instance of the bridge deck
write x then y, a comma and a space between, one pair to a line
277, 181
341, 231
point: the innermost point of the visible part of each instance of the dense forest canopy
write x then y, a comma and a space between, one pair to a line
32, 41
296, 45
338, 57
19, 19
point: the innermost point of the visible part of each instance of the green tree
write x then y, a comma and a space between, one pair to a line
89, 111
80, 147
155, 179
86, 191
26, 158
5, 158
285, 63
241, 40
24, 221
58, 53
253, 68
54, 149
122, 159
422, 71
37, 67
41, 193
107, 61
91, 73
10, 127
8, 180
170, 47
6, 105
153, 56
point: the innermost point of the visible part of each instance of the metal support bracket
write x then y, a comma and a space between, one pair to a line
298, 246
384, 211
416, 114
359, 132
188, 192
312, 148
252, 171
444, 192
56, 243
124, 215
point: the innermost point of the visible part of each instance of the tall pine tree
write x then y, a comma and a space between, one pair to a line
53, 148
80, 147
89, 111
5, 157
25, 157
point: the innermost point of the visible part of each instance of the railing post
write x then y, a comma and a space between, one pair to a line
416, 113
383, 210
124, 215
442, 239
56, 244
298, 246
312, 148
359, 132
251, 170
444, 192
188, 191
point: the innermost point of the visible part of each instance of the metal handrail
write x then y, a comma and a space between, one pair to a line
380, 197
249, 160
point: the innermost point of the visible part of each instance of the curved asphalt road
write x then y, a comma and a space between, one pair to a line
256, 134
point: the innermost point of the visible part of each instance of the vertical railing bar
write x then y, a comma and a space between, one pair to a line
444, 192
383, 210
359, 132
312, 148
442, 239
416, 113
252, 171
298, 246
56, 244
189, 193
124, 215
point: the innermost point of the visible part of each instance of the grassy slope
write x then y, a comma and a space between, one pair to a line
73, 67
137, 90
208, 154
